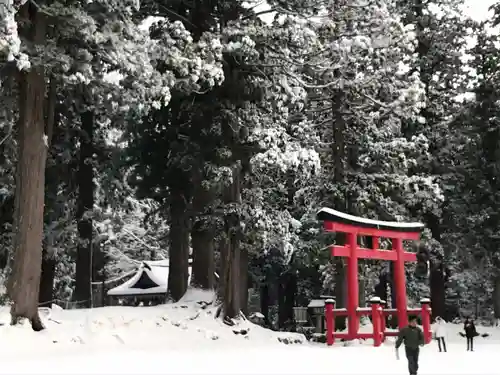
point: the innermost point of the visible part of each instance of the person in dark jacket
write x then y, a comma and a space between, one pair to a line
413, 338
470, 333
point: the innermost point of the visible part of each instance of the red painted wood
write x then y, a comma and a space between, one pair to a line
353, 253
340, 251
400, 283
363, 253
330, 323
377, 324
352, 285
347, 228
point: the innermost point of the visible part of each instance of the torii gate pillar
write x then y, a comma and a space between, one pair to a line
353, 226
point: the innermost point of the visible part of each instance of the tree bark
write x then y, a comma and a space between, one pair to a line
496, 296
230, 253
286, 298
83, 274
24, 282
437, 276
203, 267
437, 288
46, 293
265, 303
202, 237
339, 154
244, 280
230, 287
178, 274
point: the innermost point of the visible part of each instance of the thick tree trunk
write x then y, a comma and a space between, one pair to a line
99, 260
244, 284
24, 282
202, 237
83, 274
230, 287
339, 155
230, 254
282, 318
437, 277
291, 293
437, 287
496, 296
265, 303
179, 241
286, 297
203, 267
52, 180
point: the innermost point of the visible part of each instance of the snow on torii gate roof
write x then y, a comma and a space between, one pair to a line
336, 221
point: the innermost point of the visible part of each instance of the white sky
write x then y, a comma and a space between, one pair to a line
478, 9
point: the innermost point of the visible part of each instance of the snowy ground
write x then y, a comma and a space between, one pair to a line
183, 338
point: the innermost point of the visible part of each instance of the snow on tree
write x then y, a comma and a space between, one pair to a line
442, 33
201, 126
92, 41
473, 232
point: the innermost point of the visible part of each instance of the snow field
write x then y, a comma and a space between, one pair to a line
184, 338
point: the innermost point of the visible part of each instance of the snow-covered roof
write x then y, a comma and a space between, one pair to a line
329, 214
157, 263
156, 271
315, 303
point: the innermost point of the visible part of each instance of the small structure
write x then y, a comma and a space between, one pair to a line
353, 227
317, 310
149, 285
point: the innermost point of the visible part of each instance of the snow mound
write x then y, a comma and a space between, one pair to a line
187, 324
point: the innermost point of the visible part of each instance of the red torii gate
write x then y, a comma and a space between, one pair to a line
353, 226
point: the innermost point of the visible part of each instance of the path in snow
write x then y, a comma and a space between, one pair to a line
287, 361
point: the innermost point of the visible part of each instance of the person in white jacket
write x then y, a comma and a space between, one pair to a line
440, 333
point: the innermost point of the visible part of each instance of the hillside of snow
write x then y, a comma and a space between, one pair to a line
188, 324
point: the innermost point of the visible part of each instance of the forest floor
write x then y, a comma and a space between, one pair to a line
184, 338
